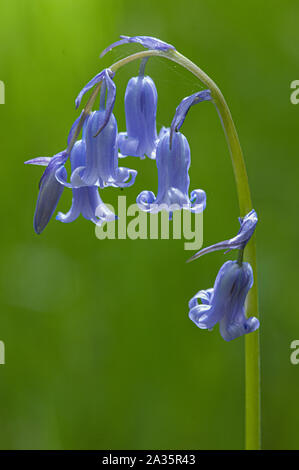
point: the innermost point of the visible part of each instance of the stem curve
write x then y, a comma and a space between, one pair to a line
252, 354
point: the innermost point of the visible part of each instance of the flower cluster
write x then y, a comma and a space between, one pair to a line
94, 158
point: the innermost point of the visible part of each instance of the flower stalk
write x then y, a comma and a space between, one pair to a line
252, 353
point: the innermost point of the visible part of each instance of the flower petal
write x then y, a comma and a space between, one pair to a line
125, 177
72, 214
43, 161
183, 108
104, 214
111, 94
48, 198
128, 145
204, 295
97, 79
146, 41
198, 198
235, 330
74, 128
204, 316
141, 109
145, 200
248, 224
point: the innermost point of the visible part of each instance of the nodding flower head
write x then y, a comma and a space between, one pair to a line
225, 303
101, 167
101, 163
173, 178
247, 228
141, 108
50, 190
86, 200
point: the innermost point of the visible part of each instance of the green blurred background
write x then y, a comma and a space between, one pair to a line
100, 352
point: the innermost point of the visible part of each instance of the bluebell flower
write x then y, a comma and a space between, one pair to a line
146, 41
141, 109
50, 190
225, 303
101, 165
86, 200
183, 108
247, 228
173, 178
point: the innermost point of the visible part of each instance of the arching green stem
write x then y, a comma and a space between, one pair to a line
252, 354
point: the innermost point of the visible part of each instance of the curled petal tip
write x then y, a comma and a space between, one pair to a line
114, 44
183, 109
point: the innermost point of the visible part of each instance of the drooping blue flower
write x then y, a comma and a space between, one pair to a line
247, 228
102, 157
101, 165
183, 108
86, 200
141, 109
50, 190
146, 41
225, 303
173, 178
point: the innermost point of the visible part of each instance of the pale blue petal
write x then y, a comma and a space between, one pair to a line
43, 161
140, 108
183, 108
248, 224
173, 178
146, 41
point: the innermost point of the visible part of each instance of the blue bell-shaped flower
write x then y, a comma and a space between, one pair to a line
173, 179
101, 167
100, 129
86, 200
225, 303
101, 163
50, 190
141, 109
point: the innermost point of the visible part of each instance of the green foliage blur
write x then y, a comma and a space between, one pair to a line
100, 352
